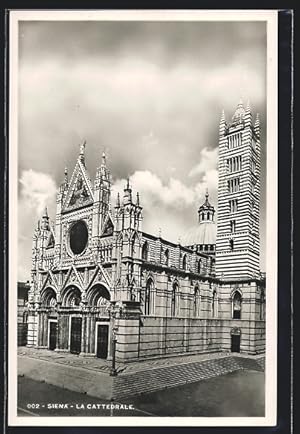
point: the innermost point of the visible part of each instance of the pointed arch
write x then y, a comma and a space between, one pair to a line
149, 297
175, 307
71, 296
98, 295
145, 251
48, 297
236, 305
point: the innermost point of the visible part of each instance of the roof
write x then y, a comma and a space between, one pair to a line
203, 233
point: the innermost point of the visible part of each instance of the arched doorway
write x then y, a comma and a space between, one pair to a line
235, 340
71, 298
48, 299
99, 298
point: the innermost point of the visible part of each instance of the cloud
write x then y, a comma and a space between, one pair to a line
38, 190
208, 162
150, 94
172, 205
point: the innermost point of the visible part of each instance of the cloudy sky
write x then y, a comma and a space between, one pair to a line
148, 93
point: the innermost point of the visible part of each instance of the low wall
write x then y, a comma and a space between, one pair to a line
162, 336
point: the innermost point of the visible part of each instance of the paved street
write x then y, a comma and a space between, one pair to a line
40, 399
239, 393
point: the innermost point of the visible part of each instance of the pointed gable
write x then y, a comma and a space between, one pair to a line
80, 193
108, 226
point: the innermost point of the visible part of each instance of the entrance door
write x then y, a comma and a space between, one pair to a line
52, 335
75, 344
235, 343
102, 341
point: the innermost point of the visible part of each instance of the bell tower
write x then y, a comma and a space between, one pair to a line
237, 246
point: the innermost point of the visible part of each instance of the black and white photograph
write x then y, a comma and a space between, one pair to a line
143, 155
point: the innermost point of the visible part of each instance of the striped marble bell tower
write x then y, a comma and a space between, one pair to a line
237, 245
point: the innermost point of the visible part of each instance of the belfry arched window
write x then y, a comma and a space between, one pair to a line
197, 302
149, 297
174, 300
145, 251
236, 305
199, 266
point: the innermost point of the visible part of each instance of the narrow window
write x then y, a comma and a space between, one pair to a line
236, 305
173, 299
145, 251
149, 297
184, 262
166, 255
214, 305
196, 309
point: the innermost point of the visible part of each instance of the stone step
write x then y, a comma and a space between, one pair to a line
176, 375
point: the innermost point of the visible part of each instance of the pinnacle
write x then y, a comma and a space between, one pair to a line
45, 214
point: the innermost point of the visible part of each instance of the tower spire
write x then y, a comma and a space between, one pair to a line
45, 214
82, 152
127, 198
45, 219
118, 200
103, 159
66, 175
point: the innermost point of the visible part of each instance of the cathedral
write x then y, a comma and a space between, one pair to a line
102, 287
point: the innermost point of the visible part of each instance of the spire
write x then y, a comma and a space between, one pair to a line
206, 211
103, 159
248, 106
206, 195
45, 214
118, 200
82, 152
66, 175
127, 198
222, 126
137, 199
45, 219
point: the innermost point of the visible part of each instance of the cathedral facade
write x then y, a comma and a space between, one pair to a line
101, 286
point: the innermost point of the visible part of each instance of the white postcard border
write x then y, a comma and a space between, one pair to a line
270, 16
